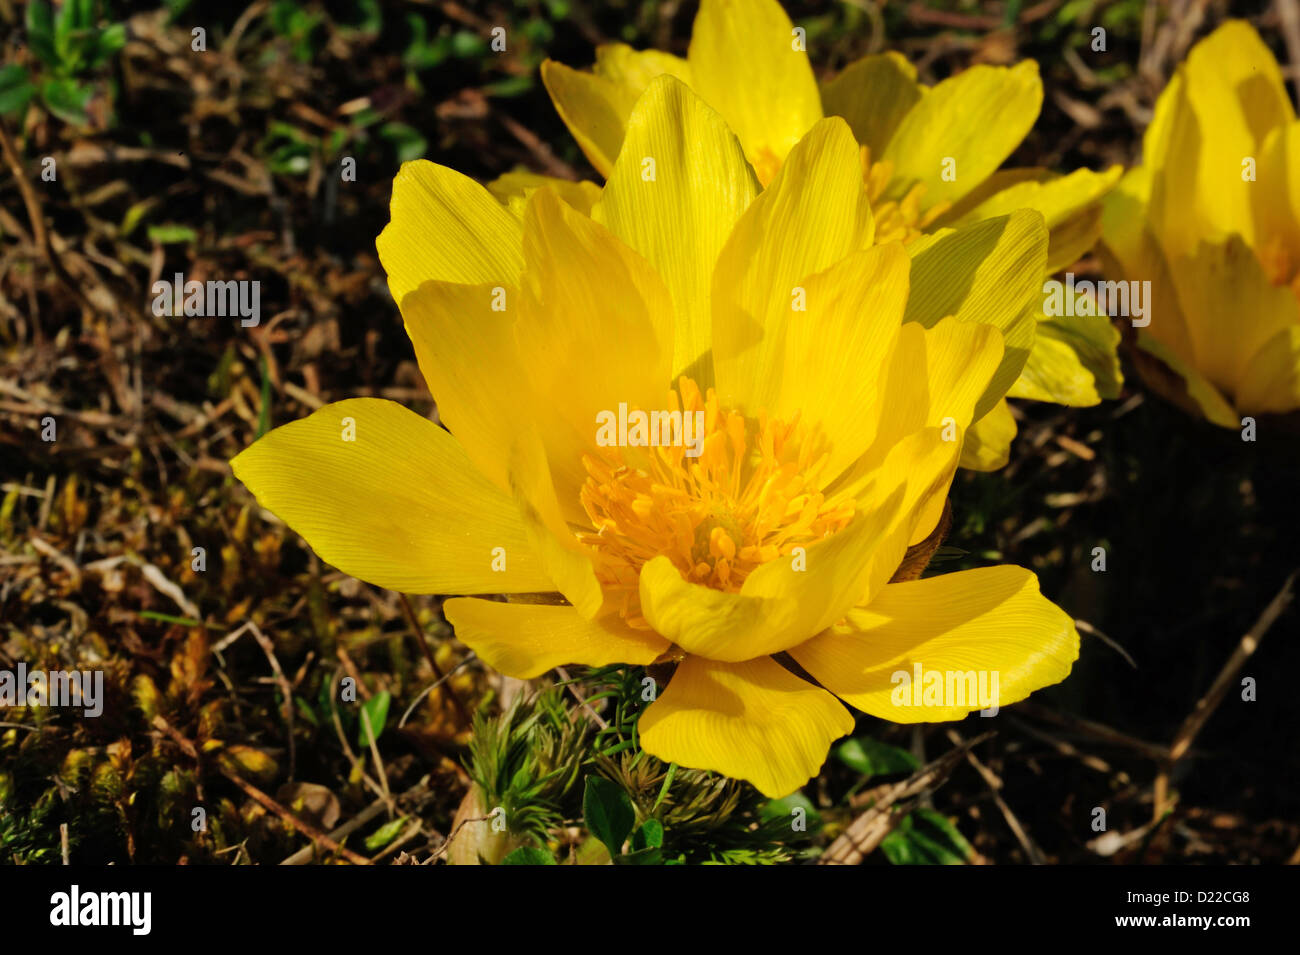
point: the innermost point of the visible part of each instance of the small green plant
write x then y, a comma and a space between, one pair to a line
610, 817
297, 25
926, 837
525, 762
289, 150
26, 836
68, 46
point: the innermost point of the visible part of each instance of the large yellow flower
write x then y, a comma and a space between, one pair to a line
1212, 220
831, 382
930, 158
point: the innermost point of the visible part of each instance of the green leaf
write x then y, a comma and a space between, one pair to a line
16, 90
305, 711
873, 758
169, 232
406, 140
70, 18
467, 44
169, 618
933, 852
900, 850
40, 31
948, 552
264, 413
649, 856
370, 17
420, 53
783, 809
133, 216
66, 99
385, 834
375, 710
527, 855
608, 813
926, 837
511, 86
649, 836
947, 834
109, 41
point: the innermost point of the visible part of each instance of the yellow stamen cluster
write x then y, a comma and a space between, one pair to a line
896, 219
749, 497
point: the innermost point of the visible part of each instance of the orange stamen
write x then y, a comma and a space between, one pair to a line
751, 496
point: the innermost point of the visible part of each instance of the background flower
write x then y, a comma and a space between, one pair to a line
1212, 220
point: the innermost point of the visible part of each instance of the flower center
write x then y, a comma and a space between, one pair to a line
749, 496
900, 219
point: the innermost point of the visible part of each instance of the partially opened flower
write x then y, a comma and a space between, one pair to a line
1212, 220
930, 159
707, 426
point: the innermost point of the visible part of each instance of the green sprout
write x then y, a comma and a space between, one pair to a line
69, 46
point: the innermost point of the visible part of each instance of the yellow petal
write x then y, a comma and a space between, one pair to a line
976, 118
1177, 218
751, 720
873, 94
1132, 251
788, 599
583, 290
1071, 207
1232, 309
594, 108
1073, 362
988, 441
679, 186
777, 323
1178, 381
391, 498
748, 64
1277, 195
1234, 77
524, 640
1094, 341
447, 227
636, 68
935, 378
596, 326
1235, 90
824, 360
465, 341
1054, 373
515, 187
467, 352
813, 214
960, 359
987, 621
562, 556
1272, 379
596, 105
990, 273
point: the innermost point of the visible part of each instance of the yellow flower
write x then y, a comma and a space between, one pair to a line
822, 387
1212, 220
930, 158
